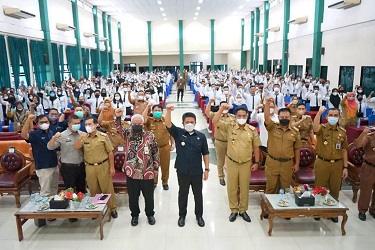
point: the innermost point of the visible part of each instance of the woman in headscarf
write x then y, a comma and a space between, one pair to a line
54, 102
334, 99
237, 101
349, 110
19, 115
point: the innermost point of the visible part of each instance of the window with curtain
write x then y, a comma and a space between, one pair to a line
73, 61
56, 66
19, 54
346, 77
367, 79
37, 58
4, 66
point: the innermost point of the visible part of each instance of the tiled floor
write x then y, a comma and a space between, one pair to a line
218, 234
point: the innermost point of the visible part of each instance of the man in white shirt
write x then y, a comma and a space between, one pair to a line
361, 107
315, 99
277, 96
306, 87
252, 100
94, 102
216, 94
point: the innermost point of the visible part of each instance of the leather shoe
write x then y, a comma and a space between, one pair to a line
181, 221
134, 221
73, 219
245, 217
165, 187
335, 219
317, 219
222, 182
114, 214
233, 217
151, 220
265, 216
200, 222
372, 213
362, 216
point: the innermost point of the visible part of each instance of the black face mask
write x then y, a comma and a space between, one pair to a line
137, 128
97, 95
104, 94
81, 102
360, 99
284, 122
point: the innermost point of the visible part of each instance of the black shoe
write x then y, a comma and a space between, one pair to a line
335, 219
265, 216
165, 187
372, 213
245, 217
114, 214
287, 218
134, 221
362, 216
73, 219
222, 182
233, 217
151, 220
200, 222
317, 219
181, 221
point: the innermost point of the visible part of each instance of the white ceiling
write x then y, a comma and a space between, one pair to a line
149, 10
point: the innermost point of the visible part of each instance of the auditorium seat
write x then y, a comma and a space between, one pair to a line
119, 179
355, 160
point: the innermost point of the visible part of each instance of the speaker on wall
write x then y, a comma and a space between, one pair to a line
322, 50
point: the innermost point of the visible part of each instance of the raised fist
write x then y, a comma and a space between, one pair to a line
322, 109
57, 135
170, 107
31, 117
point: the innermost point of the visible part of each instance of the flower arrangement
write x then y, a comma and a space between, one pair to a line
69, 194
320, 190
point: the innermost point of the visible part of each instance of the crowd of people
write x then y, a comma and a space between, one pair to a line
75, 128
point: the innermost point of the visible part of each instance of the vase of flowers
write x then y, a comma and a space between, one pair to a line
75, 198
321, 192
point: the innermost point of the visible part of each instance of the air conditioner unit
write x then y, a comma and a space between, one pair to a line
17, 13
273, 29
103, 39
299, 20
259, 35
345, 4
64, 27
89, 34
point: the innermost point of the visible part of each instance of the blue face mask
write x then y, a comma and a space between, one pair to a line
158, 114
52, 95
79, 114
53, 118
76, 127
333, 120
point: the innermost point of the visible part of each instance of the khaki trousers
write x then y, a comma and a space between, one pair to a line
100, 181
238, 175
221, 151
367, 187
165, 159
48, 180
329, 175
278, 175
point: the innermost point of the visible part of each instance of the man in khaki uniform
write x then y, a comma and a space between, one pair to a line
156, 124
242, 139
98, 156
367, 186
140, 104
181, 83
331, 164
303, 123
283, 146
220, 138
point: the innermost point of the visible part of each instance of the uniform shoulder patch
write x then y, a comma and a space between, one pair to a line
342, 129
103, 134
296, 129
251, 127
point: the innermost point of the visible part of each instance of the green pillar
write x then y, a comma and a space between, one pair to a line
110, 61
212, 44
43, 10
181, 44
243, 53
265, 32
252, 40
150, 67
317, 42
256, 46
285, 52
77, 35
96, 30
120, 46
104, 19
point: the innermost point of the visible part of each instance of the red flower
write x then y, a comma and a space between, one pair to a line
320, 190
80, 195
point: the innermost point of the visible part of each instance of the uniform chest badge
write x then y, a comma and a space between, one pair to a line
183, 143
325, 142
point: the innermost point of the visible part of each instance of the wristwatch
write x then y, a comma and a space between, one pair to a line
207, 169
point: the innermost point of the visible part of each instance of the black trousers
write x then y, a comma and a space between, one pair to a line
74, 176
180, 91
184, 183
316, 108
134, 190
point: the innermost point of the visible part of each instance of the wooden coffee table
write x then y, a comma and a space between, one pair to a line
30, 211
269, 206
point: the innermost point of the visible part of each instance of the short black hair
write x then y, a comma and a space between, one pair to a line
39, 117
241, 108
157, 106
188, 114
73, 117
333, 109
301, 104
53, 109
284, 110
94, 120
223, 102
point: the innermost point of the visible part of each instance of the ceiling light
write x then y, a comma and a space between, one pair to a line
159, 2
240, 7
196, 13
162, 9
198, 8
165, 19
195, 18
200, 1
163, 14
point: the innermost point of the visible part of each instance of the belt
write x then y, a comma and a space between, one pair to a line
368, 163
96, 164
280, 159
72, 165
331, 161
237, 161
220, 140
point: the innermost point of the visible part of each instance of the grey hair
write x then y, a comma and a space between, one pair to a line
137, 116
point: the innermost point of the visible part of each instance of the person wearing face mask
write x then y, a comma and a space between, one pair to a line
63, 122
181, 86
277, 96
54, 102
53, 116
292, 106
334, 99
236, 101
315, 99
220, 139
242, 140
140, 104
72, 166
303, 123
331, 164
141, 167
156, 124
19, 116
63, 99
283, 145
45, 160
191, 146
361, 107
359, 91
43, 100
117, 101
349, 108
99, 161
95, 102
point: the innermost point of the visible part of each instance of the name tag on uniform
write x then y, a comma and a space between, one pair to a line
120, 149
18, 124
338, 146
11, 150
146, 150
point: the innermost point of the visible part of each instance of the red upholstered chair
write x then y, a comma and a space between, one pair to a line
355, 159
305, 175
10, 136
14, 173
119, 179
258, 177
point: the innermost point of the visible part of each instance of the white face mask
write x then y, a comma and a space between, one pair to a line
225, 111
316, 91
148, 96
117, 98
141, 97
241, 121
272, 110
89, 129
226, 92
44, 126
189, 127
239, 99
276, 90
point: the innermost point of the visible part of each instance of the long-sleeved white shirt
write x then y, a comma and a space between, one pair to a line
263, 133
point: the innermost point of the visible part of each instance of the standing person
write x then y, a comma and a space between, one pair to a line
367, 186
221, 140
315, 99
45, 160
304, 124
180, 88
191, 145
331, 164
165, 142
242, 139
141, 167
98, 156
19, 116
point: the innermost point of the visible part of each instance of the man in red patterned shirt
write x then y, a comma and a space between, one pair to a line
141, 167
